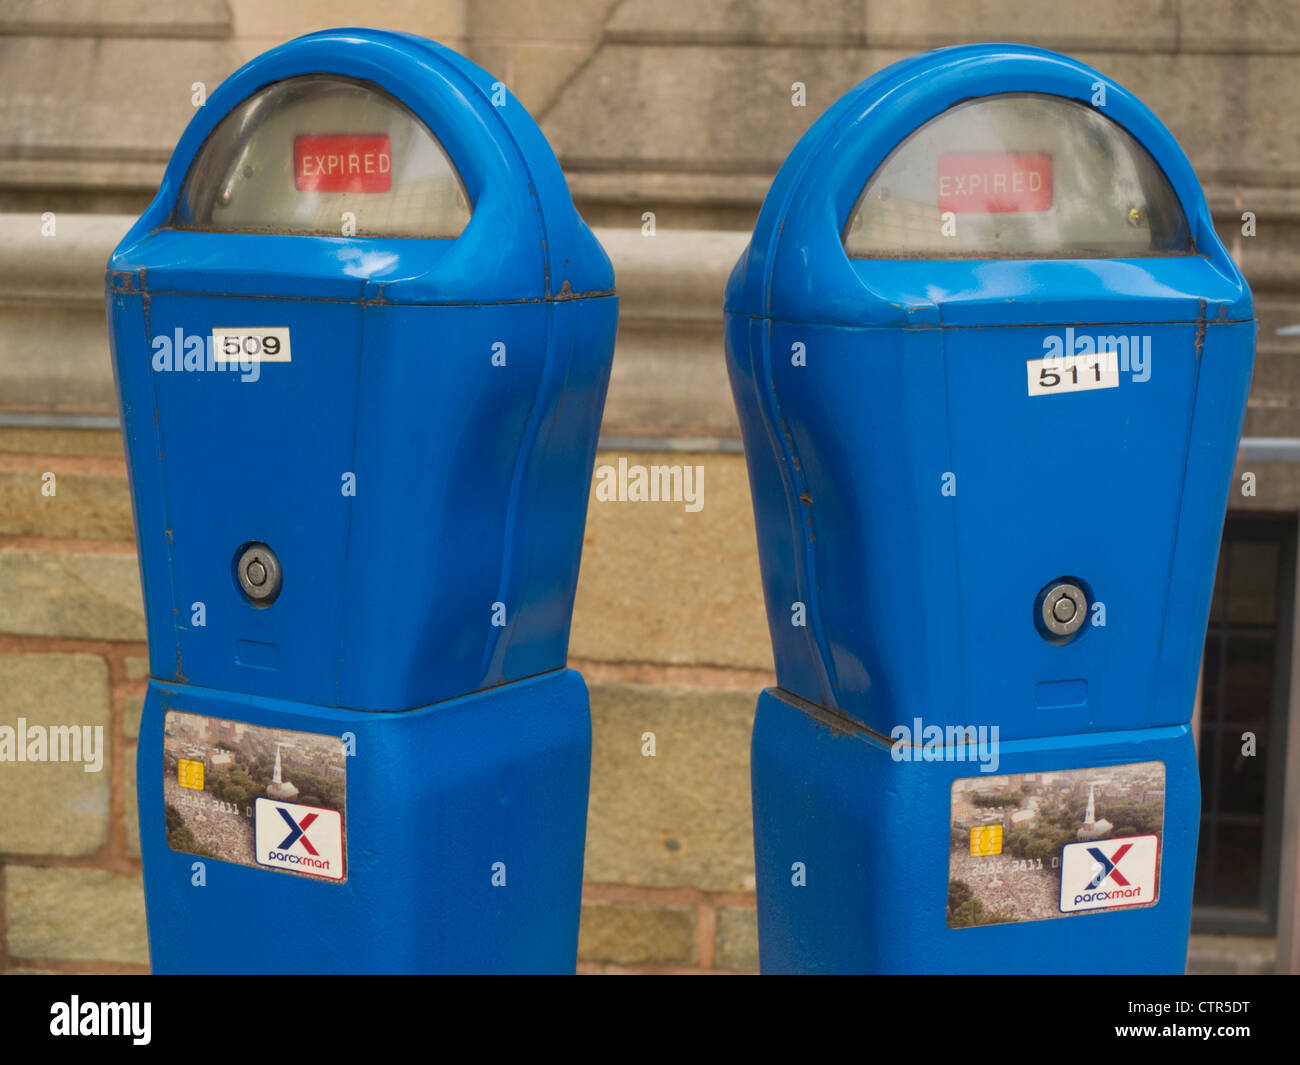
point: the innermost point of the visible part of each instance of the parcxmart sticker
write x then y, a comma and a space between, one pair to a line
301, 839
1035, 846
1109, 873
264, 797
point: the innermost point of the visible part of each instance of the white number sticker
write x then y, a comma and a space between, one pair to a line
1073, 373
251, 344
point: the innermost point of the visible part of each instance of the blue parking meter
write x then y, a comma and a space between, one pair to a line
362, 340
991, 363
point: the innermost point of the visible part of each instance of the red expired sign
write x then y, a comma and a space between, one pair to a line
343, 162
994, 182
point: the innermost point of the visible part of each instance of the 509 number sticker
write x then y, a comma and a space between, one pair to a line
251, 344
1073, 373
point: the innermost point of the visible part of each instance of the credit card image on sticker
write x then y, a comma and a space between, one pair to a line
1021, 845
269, 798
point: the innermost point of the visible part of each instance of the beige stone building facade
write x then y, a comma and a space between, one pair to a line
663, 111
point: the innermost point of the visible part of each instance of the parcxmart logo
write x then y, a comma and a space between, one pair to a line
299, 839
1108, 869
1108, 866
297, 830
1107, 873
297, 834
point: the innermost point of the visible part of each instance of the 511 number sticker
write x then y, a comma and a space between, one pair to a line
1073, 373
251, 344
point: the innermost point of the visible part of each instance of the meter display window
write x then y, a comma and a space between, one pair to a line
327, 156
1020, 175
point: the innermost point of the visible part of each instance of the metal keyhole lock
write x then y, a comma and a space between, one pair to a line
1061, 609
258, 573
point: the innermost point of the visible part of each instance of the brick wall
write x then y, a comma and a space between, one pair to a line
71, 652
669, 631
